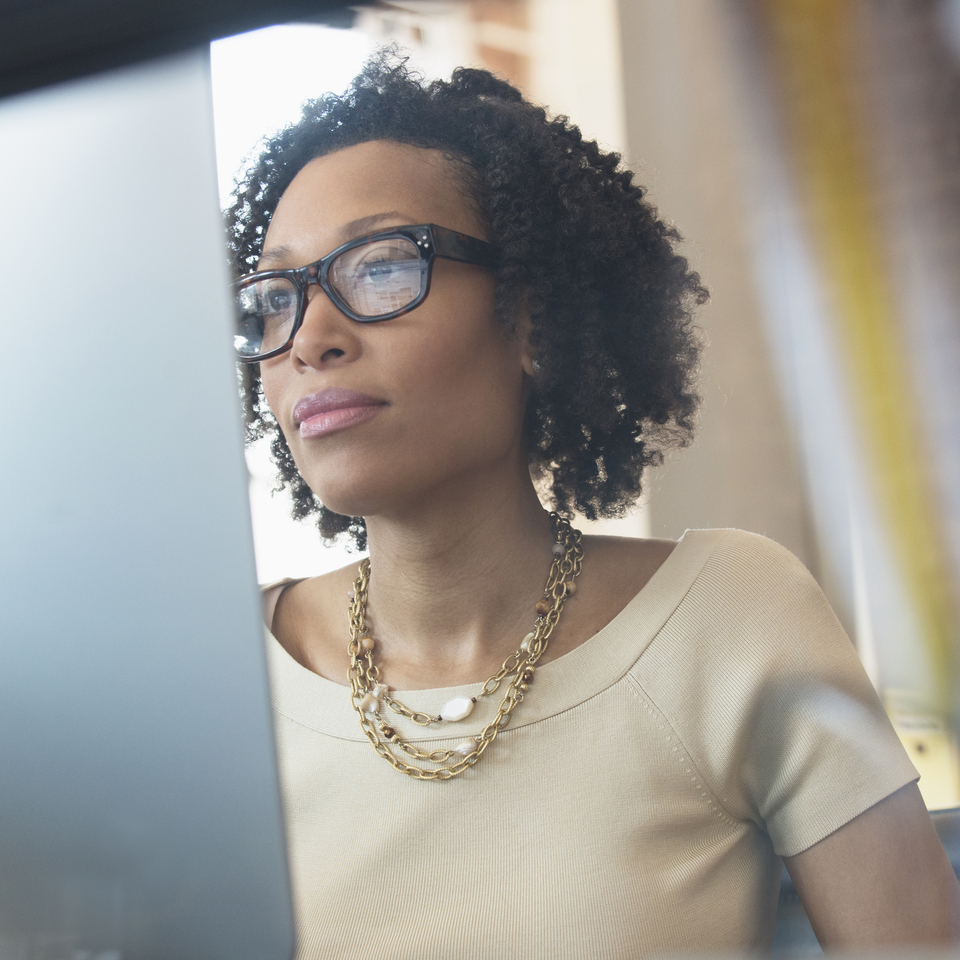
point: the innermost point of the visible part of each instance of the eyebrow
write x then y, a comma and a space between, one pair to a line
349, 231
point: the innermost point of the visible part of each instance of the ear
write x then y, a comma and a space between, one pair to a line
524, 334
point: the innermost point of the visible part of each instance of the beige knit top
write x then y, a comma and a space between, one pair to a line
637, 802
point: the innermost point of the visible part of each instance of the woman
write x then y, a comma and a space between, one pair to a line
452, 298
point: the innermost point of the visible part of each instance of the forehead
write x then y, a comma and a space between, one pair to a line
395, 183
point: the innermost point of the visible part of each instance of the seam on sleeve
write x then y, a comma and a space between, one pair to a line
676, 743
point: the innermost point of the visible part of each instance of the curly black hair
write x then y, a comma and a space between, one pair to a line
578, 246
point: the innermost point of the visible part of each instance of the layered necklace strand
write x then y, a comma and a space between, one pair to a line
369, 694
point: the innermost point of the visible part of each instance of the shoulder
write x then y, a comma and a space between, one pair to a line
307, 590
750, 632
615, 570
310, 618
740, 549
631, 559
763, 686
270, 594
745, 574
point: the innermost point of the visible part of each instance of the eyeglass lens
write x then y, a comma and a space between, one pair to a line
373, 279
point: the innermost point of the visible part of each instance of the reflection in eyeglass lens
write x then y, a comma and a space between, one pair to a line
378, 277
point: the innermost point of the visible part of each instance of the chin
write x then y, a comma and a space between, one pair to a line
392, 481
374, 493
353, 495
350, 505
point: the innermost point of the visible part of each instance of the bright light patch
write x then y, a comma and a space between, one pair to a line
262, 78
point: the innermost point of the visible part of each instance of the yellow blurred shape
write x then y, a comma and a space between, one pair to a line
932, 746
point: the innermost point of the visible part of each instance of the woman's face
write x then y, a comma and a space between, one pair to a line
426, 401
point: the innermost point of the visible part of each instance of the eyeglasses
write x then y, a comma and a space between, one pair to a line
373, 278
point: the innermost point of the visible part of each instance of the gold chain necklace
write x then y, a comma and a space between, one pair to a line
368, 693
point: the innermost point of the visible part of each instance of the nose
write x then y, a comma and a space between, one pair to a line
326, 336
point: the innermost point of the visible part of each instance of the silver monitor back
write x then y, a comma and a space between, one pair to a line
139, 807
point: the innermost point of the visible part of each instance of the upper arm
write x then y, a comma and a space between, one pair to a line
880, 880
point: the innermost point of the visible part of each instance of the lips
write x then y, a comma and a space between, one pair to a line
333, 409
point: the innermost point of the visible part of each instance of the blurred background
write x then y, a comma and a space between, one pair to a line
809, 152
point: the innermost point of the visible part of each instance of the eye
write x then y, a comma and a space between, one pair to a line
385, 270
378, 277
278, 300
385, 259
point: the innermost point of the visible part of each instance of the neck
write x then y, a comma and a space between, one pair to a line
453, 590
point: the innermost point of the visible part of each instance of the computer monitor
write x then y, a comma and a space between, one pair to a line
140, 814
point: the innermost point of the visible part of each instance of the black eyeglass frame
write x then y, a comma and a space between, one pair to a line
430, 240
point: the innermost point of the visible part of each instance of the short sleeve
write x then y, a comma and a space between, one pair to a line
768, 695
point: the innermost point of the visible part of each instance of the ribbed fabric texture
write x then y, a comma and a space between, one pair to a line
636, 804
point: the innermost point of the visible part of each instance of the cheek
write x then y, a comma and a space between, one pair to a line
471, 357
470, 387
